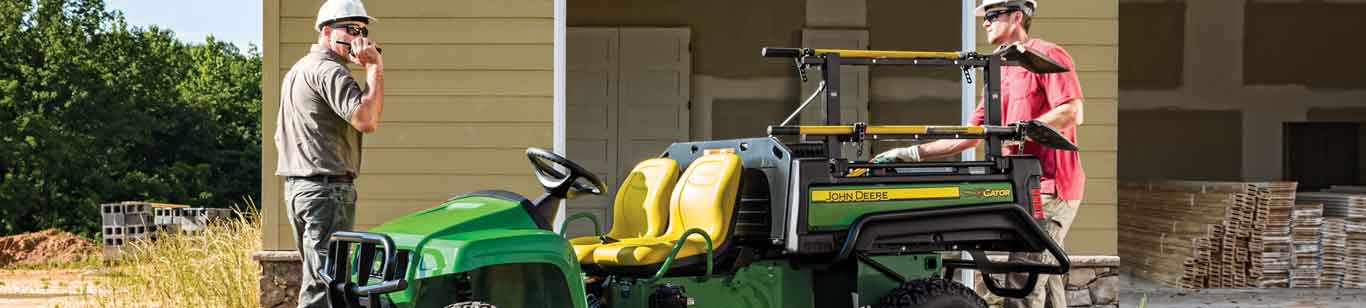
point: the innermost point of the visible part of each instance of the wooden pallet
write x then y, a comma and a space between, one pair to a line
1334, 252
1207, 234
1344, 235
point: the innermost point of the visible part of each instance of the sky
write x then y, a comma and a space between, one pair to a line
235, 21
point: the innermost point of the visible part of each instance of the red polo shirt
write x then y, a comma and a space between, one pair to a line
1027, 96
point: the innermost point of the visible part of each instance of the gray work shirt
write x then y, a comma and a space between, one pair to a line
313, 135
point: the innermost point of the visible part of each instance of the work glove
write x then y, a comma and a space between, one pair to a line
906, 154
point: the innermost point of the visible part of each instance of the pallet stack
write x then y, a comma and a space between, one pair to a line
1308, 254
1207, 234
1346, 189
1334, 252
1350, 206
1276, 202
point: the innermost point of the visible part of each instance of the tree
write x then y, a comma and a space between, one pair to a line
93, 111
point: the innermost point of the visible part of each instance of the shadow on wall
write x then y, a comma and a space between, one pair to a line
1181, 144
748, 118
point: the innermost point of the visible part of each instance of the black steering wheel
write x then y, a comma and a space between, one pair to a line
558, 184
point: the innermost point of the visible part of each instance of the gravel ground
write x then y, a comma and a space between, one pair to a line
45, 288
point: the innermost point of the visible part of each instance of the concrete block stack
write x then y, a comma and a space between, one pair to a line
126, 222
165, 217
192, 220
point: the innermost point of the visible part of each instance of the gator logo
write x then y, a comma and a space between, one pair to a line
992, 193
987, 193
471, 305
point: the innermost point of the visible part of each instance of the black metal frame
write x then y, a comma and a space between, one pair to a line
829, 64
336, 273
995, 227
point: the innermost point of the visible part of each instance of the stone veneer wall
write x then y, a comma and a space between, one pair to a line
1093, 281
280, 275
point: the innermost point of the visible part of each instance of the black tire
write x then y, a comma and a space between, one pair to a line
471, 305
932, 293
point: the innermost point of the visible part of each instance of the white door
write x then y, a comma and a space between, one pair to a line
656, 70
853, 93
628, 92
591, 112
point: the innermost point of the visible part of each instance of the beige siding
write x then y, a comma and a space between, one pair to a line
1101, 111
274, 237
399, 56
433, 9
1089, 31
468, 88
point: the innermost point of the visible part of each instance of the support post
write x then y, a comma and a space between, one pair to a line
830, 70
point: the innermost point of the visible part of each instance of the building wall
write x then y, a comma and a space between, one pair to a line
1089, 31
736, 93
900, 95
468, 87
729, 76
1233, 56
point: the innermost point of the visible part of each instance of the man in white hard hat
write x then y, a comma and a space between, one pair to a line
1054, 99
323, 113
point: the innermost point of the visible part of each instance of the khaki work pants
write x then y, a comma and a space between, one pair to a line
316, 210
1059, 214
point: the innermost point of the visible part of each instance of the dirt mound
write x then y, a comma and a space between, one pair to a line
45, 246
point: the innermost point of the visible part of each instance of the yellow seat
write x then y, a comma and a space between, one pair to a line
704, 199
640, 208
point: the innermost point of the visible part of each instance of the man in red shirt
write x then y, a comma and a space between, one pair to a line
1054, 99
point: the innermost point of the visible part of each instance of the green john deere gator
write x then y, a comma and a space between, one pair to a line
757, 222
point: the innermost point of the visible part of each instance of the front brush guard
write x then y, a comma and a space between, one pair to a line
341, 291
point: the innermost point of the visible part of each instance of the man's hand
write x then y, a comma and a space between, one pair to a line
1019, 143
365, 52
1039, 132
366, 117
906, 154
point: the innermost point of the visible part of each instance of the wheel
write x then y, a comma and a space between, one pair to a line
932, 293
471, 305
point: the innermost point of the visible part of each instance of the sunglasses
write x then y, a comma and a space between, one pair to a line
353, 29
992, 15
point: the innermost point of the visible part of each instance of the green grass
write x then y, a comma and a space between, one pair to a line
210, 269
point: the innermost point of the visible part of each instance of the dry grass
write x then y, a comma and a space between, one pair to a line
210, 269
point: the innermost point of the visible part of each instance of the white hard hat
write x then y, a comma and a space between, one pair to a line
337, 10
1028, 6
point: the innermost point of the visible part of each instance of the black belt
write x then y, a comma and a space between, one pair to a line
325, 178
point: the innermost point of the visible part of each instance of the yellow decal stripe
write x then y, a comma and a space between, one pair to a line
921, 130
827, 130
872, 195
858, 53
